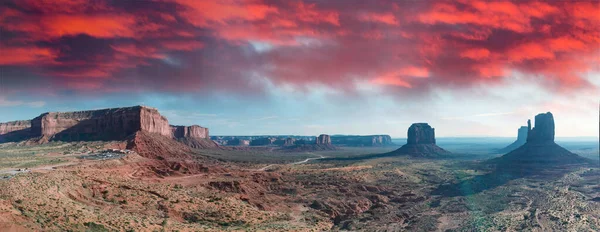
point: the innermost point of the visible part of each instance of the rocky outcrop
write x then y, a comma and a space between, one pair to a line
421, 133
540, 151
15, 130
543, 132
321, 143
361, 141
262, 142
238, 142
323, 139
193, 131
194, 136
521, 139
104, 124
421, 143
289, 142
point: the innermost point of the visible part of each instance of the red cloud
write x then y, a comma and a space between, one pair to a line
222, 44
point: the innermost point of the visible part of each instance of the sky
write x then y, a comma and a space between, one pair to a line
468, 68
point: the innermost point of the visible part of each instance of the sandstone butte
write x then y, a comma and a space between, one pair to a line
115, 124
421, 143
540, 150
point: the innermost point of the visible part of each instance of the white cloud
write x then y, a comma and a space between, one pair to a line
8, 103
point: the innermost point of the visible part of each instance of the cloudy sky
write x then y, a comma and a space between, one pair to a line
469, 68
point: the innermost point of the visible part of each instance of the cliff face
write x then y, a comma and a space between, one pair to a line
540, 151
8, 127
104, 124
421, 133
289, 142
194, 136
543, 132
262, 142
324, 139
193, 131
15, 130
366, 140
521, 139
421, 143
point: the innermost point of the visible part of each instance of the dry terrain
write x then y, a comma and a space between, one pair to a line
262, 190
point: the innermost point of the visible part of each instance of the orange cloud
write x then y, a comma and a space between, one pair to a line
26, 55
386, 18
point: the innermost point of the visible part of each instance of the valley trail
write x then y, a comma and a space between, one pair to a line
295, 163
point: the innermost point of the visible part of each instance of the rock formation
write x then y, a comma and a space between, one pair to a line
15, 130
421, 133
289, 142
194, 136
104, 124
421, 143
361, 141
323, 139
321, 143
543, 132
540, 150
262, 142
521, 139
193, 131
238, 142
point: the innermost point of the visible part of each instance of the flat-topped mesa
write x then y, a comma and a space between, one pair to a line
104, 124
543, 132
421, 133
421, 143
323, 139
15, 130
193, 131
361, 140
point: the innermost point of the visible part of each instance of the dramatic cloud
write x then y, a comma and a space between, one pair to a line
237, 46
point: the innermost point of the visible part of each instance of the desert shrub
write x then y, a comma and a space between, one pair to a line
93, 227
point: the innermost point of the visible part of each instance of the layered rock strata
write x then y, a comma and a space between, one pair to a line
421, 143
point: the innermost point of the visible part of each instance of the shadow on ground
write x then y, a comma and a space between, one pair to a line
501, 176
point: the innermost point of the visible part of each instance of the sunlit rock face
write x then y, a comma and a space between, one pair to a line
193, 131
421, 133
324, 139
103, 124
361, 140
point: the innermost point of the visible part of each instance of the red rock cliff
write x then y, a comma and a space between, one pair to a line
104, 124
193, 131
13, 126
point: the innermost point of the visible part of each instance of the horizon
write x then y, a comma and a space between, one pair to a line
309, 67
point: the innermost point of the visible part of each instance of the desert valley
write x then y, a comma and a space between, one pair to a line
127, 169
299, 115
